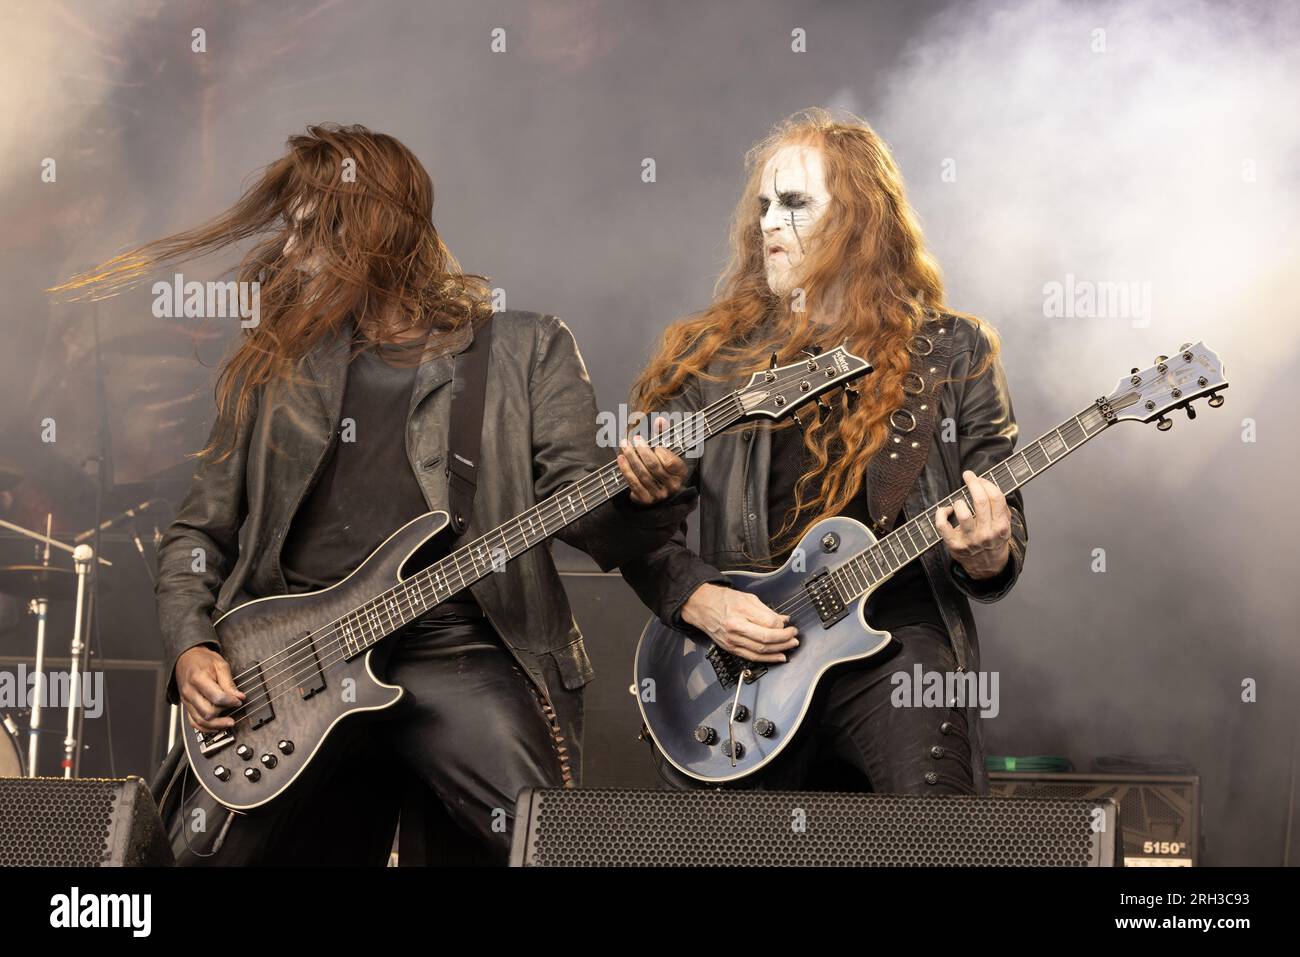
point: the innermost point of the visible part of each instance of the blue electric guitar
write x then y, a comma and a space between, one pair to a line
717, 717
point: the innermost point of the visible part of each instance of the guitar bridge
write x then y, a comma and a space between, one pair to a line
729, 667
210, 742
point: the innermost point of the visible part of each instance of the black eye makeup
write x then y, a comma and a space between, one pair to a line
787, 199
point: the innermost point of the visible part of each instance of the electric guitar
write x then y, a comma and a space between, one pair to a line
717, 717
303, 661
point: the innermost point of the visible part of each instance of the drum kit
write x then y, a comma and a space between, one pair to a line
150, 371
43, 584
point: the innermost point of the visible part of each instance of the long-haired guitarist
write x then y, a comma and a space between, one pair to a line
332, 432
826, 249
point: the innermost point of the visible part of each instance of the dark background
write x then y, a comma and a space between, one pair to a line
1160, 150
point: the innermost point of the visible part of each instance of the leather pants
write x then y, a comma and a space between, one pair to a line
474, 733
854, 726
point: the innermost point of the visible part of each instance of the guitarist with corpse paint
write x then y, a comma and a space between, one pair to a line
825, 250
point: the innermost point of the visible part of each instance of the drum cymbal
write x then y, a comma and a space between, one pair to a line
39, 581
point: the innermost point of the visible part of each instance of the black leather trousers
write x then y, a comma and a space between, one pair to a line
473, 734
856, 738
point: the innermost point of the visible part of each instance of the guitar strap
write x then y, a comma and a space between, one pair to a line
893, 470
465, 434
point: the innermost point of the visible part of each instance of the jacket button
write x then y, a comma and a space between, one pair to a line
936, 752
931, 777
752, 516
945, 728
746, 436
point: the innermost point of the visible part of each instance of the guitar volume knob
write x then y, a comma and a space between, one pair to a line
764, 727
286, 747
252, 774
269, 761
706, 735
221, 772
245, 752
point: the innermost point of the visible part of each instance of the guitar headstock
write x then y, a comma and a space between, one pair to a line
1172, 383
782, 389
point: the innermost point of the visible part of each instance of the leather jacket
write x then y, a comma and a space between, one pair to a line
539, 435
732, 474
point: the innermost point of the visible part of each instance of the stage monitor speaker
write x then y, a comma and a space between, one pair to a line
83, 822
622, 828
1160, 813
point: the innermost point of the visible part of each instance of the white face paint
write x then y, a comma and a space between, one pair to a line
792, 198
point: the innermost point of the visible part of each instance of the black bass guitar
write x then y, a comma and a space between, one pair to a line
303, 661
717, 717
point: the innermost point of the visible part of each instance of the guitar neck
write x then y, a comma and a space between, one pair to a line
398, 606
909, 541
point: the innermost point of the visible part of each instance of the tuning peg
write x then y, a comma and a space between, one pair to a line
1133, 371
851, 396
812, 352
773, 365
1191, 412
822, 408
1163, 424
1160, 359
1215, 400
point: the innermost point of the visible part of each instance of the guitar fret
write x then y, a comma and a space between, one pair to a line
1021, 470
852, 574
1054, 446
1037, 458
862, 574
873, 563
911, 539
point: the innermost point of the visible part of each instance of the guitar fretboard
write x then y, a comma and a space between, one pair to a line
873, 565
416, 595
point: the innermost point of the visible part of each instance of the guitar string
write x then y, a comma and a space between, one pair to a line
803, 601
552, 505
423, 584
798, 605
305, 647
879, 551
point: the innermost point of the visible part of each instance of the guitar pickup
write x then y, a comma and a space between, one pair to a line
258, 701
826, 598
311, 677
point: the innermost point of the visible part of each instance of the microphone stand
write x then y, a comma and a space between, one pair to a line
103, 461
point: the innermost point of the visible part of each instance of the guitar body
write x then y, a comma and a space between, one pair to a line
311, 688
681, 689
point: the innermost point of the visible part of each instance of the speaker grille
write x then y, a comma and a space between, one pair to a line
57, 823
564, 828
1153, 808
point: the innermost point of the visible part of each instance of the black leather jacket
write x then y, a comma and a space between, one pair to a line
539, 434
732, 475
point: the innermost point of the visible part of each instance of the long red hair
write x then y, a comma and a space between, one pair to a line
867, 255
359, 207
